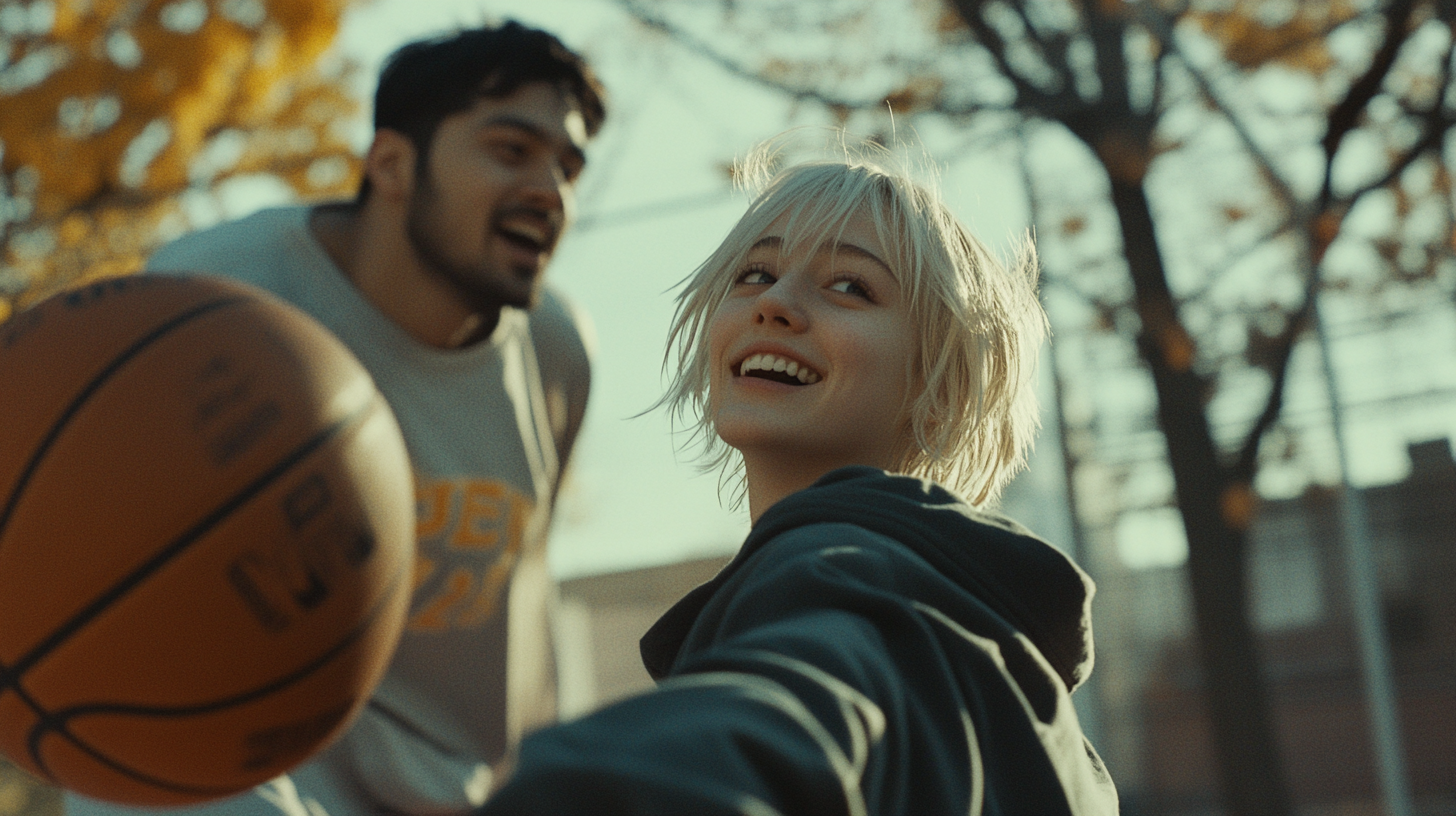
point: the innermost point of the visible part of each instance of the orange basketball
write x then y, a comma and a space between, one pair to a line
206, 538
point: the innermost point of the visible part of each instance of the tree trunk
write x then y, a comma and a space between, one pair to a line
1215, 510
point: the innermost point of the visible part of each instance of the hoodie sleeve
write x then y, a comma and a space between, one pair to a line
834, 672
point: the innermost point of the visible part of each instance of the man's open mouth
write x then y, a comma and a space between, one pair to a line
530, 231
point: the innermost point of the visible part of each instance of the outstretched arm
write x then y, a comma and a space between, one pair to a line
827, 676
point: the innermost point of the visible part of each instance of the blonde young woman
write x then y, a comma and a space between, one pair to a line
879, 644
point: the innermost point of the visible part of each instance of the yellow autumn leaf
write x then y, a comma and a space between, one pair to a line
103, 148
1299, 42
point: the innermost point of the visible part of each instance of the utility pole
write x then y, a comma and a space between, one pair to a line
1364, 588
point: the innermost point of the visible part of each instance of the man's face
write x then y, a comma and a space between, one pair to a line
496, 193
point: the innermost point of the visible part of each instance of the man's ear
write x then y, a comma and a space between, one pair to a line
390, 165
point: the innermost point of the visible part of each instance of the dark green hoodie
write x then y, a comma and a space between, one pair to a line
876, 647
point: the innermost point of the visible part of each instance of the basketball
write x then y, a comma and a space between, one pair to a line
206, 538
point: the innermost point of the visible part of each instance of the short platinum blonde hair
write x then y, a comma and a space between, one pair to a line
972, 404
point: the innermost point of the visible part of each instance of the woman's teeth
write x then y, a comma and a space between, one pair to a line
773, 363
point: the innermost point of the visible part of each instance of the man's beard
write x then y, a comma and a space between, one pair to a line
483, 284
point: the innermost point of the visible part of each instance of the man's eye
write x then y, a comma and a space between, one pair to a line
510, 151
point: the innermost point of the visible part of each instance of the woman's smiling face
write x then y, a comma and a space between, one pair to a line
811, 353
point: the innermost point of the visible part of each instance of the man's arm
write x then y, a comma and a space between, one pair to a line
565, 343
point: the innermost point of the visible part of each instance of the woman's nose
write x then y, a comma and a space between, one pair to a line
779, 305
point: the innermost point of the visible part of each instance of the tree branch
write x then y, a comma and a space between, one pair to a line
1107, 39
1162, 29
702, 48
1233, 256
1346, 115
1326, 225
1246, 464
1437, 122
990, 39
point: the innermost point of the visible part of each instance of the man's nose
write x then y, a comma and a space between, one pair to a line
546, 186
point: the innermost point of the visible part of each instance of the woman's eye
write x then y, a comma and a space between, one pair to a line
756, 276
851, 286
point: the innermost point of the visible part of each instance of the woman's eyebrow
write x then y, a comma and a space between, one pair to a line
773, 241
861, 252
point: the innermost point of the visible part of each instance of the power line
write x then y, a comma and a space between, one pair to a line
656, 209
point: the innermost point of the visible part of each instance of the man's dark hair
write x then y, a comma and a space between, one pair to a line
423, 82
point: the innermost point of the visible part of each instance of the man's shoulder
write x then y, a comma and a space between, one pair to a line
561, 330
271, 248
226, 247
557, 312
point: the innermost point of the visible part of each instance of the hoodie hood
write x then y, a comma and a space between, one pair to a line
1032, 585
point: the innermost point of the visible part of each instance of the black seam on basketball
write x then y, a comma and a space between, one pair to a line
57, 723
95, 384
178, 545
185, 540
10, 676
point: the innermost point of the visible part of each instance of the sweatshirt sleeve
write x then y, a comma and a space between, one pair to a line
833, 673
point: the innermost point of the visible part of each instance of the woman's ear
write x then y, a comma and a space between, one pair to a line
390, 165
